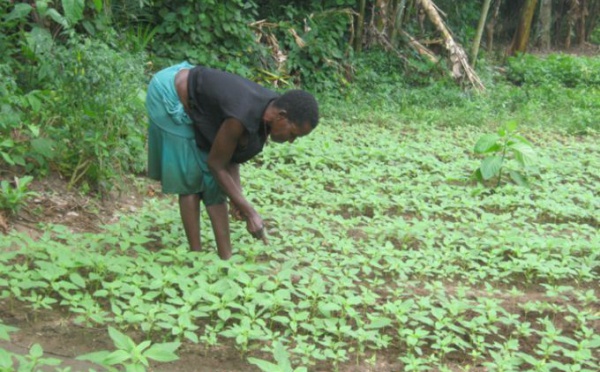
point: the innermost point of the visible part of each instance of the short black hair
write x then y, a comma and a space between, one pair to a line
301, 107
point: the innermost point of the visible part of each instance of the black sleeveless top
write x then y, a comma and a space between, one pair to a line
217, 95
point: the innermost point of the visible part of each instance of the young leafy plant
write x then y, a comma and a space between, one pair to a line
281, 357
135, 358
498, 148
32, 361
12, 198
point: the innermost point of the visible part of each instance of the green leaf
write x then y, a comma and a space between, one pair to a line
567, 340
191, 336
20, 11
486, 143
4, 332
6, 362
264, 365
36, 351
18, 159
40, 41
519, 178
327, 308
143, 345
524, 153
44, 147
7, 158
98, 4
511, 126
77, 280
522, 139
117, 357
491, 166
379, 323
58, 18
73, 10
121, 340
224, 314
282, 357
135, 368
7, 143
164, 352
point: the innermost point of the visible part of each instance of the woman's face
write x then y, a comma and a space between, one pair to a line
283, 130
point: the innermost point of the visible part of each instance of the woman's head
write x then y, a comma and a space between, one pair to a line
292, 115
301, 107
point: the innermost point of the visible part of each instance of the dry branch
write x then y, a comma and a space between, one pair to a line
420, 48
458, 58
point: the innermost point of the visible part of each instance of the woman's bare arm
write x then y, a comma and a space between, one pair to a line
219, 160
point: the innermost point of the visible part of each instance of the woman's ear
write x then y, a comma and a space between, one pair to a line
283, 113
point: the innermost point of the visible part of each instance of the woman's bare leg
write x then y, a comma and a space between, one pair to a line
220, 225
189, 209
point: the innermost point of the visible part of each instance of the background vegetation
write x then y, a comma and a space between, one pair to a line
73, 71
72, 80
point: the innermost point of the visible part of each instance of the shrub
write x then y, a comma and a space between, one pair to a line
99, 116
566, 70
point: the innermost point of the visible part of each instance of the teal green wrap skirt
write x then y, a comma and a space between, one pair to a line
173, 157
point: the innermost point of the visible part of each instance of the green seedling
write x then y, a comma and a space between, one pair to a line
131, 356
33, 361
282, 358
14, 196
498, 148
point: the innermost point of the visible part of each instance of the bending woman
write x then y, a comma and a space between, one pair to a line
203, 124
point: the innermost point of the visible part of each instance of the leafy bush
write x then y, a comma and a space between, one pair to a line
566, 70
22, 143
316, 49
595, 36
213, 33
98, 112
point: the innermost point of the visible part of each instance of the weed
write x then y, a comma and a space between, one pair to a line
13, 196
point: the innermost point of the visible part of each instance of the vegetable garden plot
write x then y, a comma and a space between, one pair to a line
378, 251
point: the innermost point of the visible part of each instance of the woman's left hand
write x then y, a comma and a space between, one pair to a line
234, 212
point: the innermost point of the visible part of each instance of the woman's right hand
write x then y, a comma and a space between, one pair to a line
256, 227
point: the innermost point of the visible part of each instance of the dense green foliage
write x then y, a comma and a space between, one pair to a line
207, 32
72, 103
555, 69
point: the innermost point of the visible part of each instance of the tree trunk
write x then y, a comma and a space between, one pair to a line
490, 27
581, 34
545, 24
592, 18
482, 18
360, 26
560, 14
572, 15
381, 15
521, 37
398, 20
458, 58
